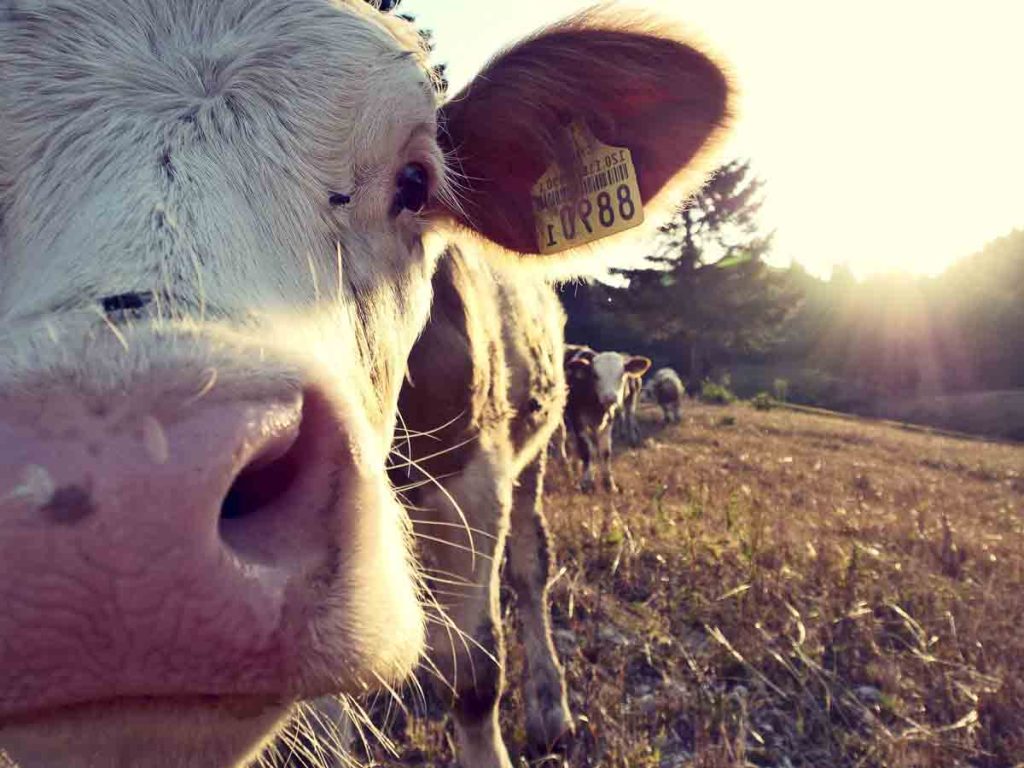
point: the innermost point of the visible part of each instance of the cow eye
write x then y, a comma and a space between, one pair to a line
411, 189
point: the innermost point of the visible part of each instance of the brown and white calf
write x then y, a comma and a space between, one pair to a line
597, 388
485, 390
668, 391
219, 222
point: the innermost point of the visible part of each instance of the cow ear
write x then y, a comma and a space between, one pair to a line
634, 84
579, 364
587, 354
637, 366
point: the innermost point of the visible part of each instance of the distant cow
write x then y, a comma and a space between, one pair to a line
626, 425
220, 222
667, 390
598, 383
559, 442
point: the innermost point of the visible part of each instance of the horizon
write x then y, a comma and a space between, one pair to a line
902, 163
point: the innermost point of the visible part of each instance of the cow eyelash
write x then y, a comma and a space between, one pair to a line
337, 199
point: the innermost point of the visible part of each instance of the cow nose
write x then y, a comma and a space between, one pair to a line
151, 553
210, 465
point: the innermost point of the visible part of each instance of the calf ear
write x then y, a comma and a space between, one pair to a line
637, 366
579, 364
634, 84
584, 355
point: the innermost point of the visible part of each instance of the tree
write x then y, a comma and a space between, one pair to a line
707, 286
440, 79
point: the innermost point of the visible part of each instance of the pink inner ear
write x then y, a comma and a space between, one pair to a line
637, 366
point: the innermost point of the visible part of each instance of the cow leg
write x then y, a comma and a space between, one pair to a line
466, 644
548, 721
585, 448
633, 429
604, 446
558, 443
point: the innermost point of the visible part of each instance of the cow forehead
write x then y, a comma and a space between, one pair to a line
608, 367
133, 126
335, 81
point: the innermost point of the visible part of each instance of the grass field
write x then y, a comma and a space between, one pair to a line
783, 589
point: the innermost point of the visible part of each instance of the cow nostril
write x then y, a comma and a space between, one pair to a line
275, 510
266, 478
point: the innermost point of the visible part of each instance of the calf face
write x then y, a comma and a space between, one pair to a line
600, 379
611, 374
213, 219
597, 389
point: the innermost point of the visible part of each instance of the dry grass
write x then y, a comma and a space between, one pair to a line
782, 589
779, 589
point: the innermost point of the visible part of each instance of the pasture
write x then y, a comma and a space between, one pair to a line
783, 589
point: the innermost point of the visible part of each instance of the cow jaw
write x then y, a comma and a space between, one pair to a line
149, 734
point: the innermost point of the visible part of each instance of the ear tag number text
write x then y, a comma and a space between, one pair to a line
607, 200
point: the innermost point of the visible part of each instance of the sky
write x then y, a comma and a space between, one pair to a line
890, 134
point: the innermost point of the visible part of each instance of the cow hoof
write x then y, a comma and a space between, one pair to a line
610, 486
549, 732
587, 485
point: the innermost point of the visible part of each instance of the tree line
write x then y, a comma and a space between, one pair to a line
706, 302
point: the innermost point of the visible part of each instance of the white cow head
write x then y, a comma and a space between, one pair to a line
214, 260
610, 373
606, 373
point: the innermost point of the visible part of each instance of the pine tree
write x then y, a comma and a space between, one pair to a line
707, 286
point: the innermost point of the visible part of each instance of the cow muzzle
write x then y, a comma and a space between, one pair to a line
196, 549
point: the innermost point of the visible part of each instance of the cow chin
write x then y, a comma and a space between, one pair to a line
146, 734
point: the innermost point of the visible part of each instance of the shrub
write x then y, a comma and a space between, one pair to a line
716, 394
762, 401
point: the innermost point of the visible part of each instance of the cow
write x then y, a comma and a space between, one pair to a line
220, 223
667, 391
626, 425
558, 447
597, 388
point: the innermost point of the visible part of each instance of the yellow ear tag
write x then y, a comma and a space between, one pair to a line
608, 200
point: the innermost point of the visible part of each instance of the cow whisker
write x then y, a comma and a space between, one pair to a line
293, 735
430, 432
410, 462
395, 698
431, 669
449, 593
408, 437
446, 524
336, 745
419, 484
362, 718
453, 583
455, 506
451, 574
467, 637
453, 545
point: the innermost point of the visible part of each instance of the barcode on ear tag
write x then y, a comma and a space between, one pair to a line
607, 200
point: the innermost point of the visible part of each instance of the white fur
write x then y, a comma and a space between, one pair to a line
188, 149
609, 374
